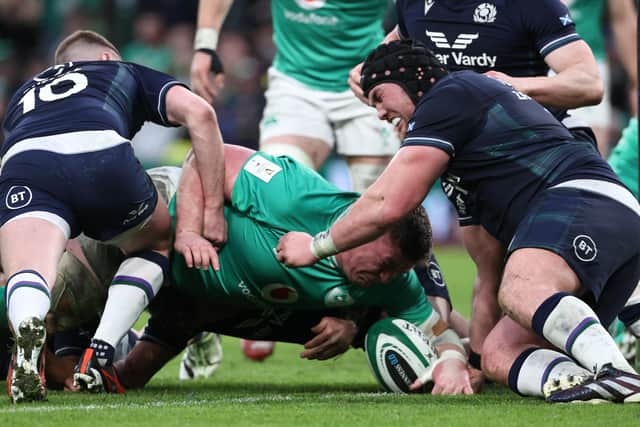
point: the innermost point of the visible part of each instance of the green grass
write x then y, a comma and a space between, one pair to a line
288, 391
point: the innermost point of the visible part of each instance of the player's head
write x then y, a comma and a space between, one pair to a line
85, 45
407, 63
398, 250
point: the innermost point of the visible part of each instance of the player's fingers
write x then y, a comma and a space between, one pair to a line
322, 324
417, 385
437, 389
316, 341
188, 259
197, 258
468, 389
215, 261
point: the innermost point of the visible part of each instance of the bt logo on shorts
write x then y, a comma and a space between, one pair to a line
18, 197
585, 248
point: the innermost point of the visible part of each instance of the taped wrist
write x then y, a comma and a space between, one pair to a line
322, 245
216, 63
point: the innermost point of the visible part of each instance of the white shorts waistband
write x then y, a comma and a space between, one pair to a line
67, 143
604, 188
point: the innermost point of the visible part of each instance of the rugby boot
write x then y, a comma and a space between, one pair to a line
202, 357
608, 385
26, 380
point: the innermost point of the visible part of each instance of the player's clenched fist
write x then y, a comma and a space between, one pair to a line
294, 250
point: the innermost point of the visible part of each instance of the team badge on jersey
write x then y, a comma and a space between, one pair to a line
279, 293
18, 197
311, 4
262, 168
338, 297
435, 274
485, 13
585, 248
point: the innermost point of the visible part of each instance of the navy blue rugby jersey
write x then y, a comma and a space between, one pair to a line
511, 36
89, 95
505, 148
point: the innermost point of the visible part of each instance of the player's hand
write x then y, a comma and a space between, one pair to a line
354, 83
451, 377
205, 82
197, 251
477, 379
333, 337
294, 250
215, 227
515, 82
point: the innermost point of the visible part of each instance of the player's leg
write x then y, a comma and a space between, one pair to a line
31, 247
517, 357
129, 214
538, 291
134, 284
366, 142
294, 121
311, 152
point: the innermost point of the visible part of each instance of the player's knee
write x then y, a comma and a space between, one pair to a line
289, 150
363, 174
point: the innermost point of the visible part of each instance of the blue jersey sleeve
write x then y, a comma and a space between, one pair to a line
402, 26
446, 118
550, 25
154, 86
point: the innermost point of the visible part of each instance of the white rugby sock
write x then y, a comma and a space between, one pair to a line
570, 324
134, 285
27, 295
630, 314
534, 367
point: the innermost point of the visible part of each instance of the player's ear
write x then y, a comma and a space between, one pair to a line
109, 56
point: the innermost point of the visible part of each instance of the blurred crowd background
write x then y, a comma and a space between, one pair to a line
159, 34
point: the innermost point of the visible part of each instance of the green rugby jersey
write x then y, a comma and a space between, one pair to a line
624, 157
587, 15
271, 196
319, 41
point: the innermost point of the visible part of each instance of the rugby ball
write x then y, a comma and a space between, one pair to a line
398, 353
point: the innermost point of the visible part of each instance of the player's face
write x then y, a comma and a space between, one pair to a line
376, 262
393, 105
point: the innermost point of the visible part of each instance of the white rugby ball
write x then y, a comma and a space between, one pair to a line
398, 353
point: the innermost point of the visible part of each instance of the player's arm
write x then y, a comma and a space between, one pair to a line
401, 187
191, 111
197, 251
576, 82
623, 15
488, 255
356, 72
141, 364
207, 73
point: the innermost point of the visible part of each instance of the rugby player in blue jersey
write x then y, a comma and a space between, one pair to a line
548, 197
519, 42
68, 167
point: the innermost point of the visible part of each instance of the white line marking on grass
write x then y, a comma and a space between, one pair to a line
146, 405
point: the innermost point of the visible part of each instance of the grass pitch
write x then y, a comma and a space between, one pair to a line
288, 391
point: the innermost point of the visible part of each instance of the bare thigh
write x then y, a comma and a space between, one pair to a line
530, 277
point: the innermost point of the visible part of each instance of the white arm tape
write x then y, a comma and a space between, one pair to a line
322, 245
449, 337
206, 38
